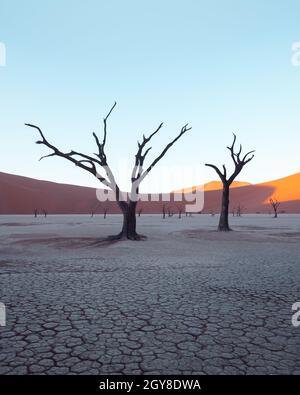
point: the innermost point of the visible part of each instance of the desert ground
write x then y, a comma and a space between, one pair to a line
189, 299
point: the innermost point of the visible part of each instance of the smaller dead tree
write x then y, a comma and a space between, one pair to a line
275, 204
105, 211
45, 213
179, 212
164, 210
239, 211
35, 213
170, 213
239, 163
140, 212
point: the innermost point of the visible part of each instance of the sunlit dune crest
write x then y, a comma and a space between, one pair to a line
212, 186
285, 189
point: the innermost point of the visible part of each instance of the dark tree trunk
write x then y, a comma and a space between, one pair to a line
223, 223
129, 222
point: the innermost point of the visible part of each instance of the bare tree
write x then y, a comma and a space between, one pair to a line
140, 210
239, 163
91, 164
94, 208
105, 211
35, 213
45, 213
275, 204
164, 211
239, 210
170, 212
179, 211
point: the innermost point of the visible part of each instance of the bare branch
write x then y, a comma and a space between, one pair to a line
238, 162
231, 149
70, 156
101, 154
140, 157
105, 125
218, 171
184, 129
245, 160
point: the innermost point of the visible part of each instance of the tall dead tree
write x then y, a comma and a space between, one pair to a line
275, 204
239, 163
99, 161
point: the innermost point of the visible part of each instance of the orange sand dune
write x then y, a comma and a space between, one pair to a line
255, 198
285, 189
21, 195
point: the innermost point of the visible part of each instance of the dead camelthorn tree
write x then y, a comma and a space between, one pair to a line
105, 211
180, 210
275, 204
92, 164
239, 163
164, 211
239, 210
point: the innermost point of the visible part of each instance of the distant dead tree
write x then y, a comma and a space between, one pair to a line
105, 211
94, 209
140, 212
164, 211
239, 163
233, 211
45, 213
239, 210
179, 211
91, 164
275, 204
170, 213
35, 213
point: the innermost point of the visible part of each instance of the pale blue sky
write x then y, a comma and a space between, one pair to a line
222, 66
